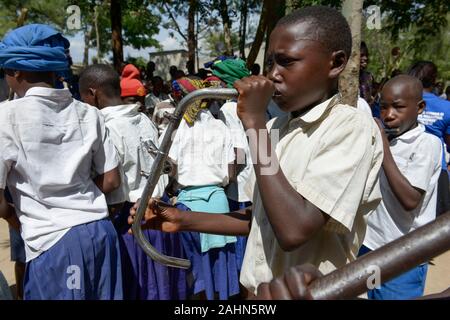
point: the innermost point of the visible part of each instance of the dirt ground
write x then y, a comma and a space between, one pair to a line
438, 273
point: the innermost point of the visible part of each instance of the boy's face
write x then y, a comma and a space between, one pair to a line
302, 69
400, 106
363, 60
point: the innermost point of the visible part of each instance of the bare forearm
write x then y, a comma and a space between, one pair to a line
8, 213
232, 224
293, 219
108, 181
407, 195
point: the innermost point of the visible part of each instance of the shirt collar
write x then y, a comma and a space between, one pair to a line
410, 135
48, 92
122, 110
314, 114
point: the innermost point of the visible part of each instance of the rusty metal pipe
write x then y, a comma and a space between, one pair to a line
158, 166
392, 260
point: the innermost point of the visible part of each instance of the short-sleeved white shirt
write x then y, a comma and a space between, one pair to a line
418, 157
131, 132
332, 157
228, 114
202, 152
50, 142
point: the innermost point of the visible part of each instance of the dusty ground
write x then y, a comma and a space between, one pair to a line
438, 272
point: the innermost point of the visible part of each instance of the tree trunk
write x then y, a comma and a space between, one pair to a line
97, 33
116, 27
191, 34
22, 17
243, 28
276, 11
87, 38
349, 79
260, 32
197, 30
223, 7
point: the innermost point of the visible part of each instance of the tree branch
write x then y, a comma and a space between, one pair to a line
177, 27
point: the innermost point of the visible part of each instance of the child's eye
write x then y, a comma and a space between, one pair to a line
285, 61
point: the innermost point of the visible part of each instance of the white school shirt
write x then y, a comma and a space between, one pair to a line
202, 152
417, 155
131, 132
364, 106
228, 114
49, 143
332, 157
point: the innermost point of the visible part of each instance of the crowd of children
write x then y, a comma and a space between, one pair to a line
249, 196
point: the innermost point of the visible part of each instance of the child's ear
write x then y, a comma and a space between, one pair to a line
339, 61
18, 74
421, 106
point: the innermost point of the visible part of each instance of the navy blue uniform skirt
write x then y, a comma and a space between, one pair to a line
143, 278
83, 264
214, 271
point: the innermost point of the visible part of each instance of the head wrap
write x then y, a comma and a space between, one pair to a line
130, 82
184, 86
230, 70
34, 47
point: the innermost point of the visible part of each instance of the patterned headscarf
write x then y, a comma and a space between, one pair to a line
184, 86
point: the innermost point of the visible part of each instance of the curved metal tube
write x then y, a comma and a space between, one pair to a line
391, 260
157, 168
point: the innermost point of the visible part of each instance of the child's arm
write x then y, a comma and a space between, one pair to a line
167, 218
408, 196
8, 213
294, 220
108, 181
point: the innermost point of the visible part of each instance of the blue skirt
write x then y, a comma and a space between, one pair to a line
83, 265
214, 271
143, 278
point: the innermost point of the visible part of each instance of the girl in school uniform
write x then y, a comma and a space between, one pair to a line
203, 153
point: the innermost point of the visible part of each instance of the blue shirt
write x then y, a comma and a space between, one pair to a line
436, 118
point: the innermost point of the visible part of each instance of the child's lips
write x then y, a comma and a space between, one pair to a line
277, 94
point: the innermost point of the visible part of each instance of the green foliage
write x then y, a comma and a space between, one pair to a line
39, 11
214, 44
139, 24
381, 43
139, 62
418, 29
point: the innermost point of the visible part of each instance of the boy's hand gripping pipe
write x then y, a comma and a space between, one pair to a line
390, 261
159, 165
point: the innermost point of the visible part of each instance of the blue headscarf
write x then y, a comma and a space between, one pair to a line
34, 47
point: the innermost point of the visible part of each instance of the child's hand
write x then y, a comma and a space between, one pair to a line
294, 285
255, 93
159, 216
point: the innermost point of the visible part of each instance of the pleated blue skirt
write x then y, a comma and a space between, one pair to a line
214, 271
83, 265
143, 278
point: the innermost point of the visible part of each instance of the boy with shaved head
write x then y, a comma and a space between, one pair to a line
312, 207
409, 176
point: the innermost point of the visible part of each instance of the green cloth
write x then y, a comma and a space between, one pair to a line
211, 199
230, 70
